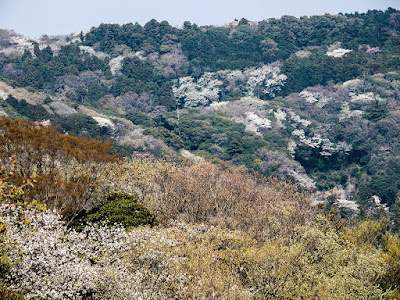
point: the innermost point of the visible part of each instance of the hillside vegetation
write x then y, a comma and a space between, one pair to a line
258, 238
311, 99
255, 160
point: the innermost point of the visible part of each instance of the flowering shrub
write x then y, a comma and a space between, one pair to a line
50, 262
316, 141
253, 82
335, 50
203, 92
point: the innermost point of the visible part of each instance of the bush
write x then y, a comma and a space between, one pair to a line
122, 209
65, 172
141, 118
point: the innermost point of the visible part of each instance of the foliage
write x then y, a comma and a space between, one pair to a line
65, 171
336, 118
319, 69
377, 111
43, 69
131, 69
4, 263
5, 267
268, 241
18, 136
205, 193
391, 278
197, 260
141, 118
81, 125
32, 112
386, 184
119, 208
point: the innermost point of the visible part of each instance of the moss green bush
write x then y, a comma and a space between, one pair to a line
122, 209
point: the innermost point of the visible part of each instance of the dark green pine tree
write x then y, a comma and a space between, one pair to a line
235, 147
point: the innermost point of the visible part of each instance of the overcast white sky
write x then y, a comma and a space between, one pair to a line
37, 17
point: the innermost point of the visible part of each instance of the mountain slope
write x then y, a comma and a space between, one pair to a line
312, 99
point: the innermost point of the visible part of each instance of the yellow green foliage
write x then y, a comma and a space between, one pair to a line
391, 257
366, 234
205, 262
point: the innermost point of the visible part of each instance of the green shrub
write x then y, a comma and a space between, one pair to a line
141, 118
119, 208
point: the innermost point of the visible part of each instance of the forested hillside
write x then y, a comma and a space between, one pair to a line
280, 136
312, 99
79, 222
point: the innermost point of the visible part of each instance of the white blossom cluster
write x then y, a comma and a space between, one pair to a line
255, 123
308, 96
189, 155
292, 147
202, 92
316, 141
373, 50
116, 64
252, 82
353, 84
3, 94
51, 262
249, 111
343, 196
280, 116
338, 52
18, 43
303, 53
91, 51
87, 49
346, 113
364, 97
335, 50
318, 98
61, 108
268, 77
297, 119
285, 166
104, 122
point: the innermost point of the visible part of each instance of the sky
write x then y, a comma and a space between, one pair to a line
37, 17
